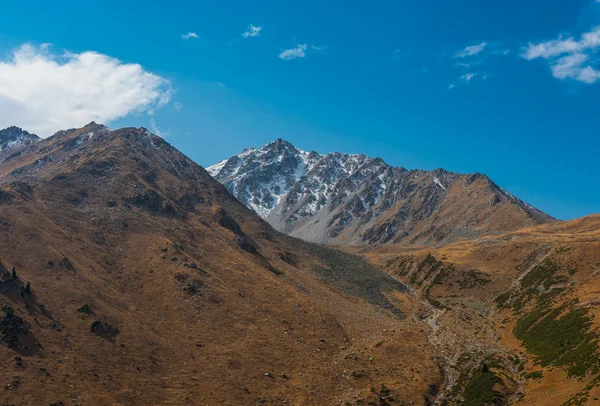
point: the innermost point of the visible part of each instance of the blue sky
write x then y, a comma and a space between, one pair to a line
509, 89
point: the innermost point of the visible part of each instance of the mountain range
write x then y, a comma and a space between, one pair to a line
353, 199
130, 276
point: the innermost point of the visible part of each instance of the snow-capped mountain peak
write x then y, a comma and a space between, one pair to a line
261, 177
340, 197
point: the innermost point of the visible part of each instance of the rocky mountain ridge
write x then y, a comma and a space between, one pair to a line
13, 139
355, 199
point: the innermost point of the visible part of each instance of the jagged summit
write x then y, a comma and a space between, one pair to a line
15, 137
280, 143
352, 198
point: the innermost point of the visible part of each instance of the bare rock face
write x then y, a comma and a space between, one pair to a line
12, 329
349, 198
14, 136
13, 140
104, 330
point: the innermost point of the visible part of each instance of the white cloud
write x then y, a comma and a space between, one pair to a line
178, 106
399, 53
471, 50
190, 35
322, 48
569, 58
293, 53
467, 77
155, 129
252, 31
43, 92
473, 59
588, 75
483, 49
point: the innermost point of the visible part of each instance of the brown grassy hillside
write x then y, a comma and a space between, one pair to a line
150, 284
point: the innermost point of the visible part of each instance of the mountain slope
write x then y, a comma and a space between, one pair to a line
518, 309
141, 280
354, 199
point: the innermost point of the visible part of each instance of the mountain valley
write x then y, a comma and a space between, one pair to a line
512, 293
524, 304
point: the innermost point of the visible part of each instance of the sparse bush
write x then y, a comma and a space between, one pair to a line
85, 309
534, 375
480, 389
501, 299
104, 330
